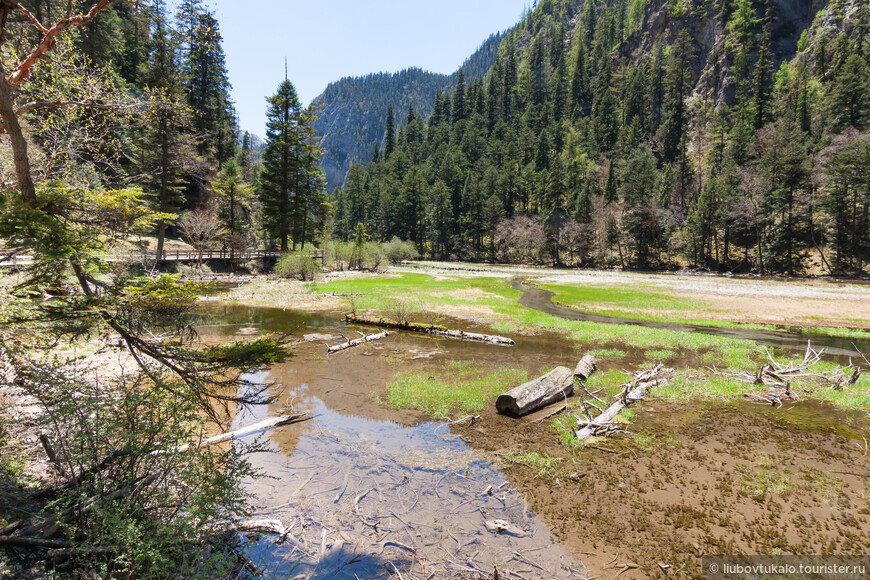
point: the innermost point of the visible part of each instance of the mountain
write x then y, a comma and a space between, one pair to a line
716, 134
353, 110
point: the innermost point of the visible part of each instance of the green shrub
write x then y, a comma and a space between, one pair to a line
398, 251
297, 266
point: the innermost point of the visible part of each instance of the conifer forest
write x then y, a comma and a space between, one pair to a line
590, 303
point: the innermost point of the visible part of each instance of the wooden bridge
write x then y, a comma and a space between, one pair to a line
15, 261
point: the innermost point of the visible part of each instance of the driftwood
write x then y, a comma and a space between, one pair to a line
504, 527
261, 426
633, 392
429, 329
777, 378
585, 368
356, 342
554, 386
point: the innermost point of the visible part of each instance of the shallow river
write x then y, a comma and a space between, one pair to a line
370, 492
366, 494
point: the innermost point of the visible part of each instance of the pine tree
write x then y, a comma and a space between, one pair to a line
280, 181
208, 89
164, 146
460, 107
390, 135
675, 116
235, 197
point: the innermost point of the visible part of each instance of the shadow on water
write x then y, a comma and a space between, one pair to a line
836, 348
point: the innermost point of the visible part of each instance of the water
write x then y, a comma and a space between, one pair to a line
369, 491
839, 349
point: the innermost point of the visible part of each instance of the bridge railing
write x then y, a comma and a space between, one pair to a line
176, 256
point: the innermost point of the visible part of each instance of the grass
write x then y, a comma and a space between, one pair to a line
764, 480
642, 305
493, 298
622, 302
688, 386
660, 355
461, 386
544, 464
607, 353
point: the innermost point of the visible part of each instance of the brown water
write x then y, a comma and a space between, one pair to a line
371, 492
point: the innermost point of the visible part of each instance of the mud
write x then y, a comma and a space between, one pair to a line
373, 491
703, 480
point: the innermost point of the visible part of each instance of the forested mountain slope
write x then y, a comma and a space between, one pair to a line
723, 134
353, 110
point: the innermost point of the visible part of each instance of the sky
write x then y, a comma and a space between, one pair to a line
325, 40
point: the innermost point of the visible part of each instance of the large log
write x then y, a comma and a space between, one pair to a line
644, 383
585, 368
429, 329
554, 386
356, 342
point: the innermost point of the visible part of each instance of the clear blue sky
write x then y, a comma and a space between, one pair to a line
325, 40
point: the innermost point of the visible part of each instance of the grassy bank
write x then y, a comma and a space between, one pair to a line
423, 298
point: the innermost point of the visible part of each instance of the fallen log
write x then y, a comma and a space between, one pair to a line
585, 368
643, 384
556, 385
429, 329
356, 342
261, 426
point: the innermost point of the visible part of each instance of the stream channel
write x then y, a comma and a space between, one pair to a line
372, 492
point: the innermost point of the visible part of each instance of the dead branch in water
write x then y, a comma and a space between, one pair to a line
261, 426
632, 392
778, 377
356, 342
429, 329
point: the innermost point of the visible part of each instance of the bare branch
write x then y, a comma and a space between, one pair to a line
32, 18
22, 71
70, 105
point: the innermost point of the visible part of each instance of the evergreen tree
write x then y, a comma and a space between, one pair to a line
280, 177
460, 107
390, 135
208, 88
165, 146
235, 197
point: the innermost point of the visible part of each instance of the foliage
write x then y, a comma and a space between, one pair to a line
571, 151
132, 428
398, 251
301, 266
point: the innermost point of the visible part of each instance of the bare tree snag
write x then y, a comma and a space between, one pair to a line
429, 329
550, 388
356, 342
585, 368
635, 391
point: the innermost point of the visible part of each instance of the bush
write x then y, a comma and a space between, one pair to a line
398, 251
297, 266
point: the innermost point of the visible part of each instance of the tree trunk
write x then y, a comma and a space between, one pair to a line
585, 368
554, 386
352, 343
16, 141
427, 329
652, 378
